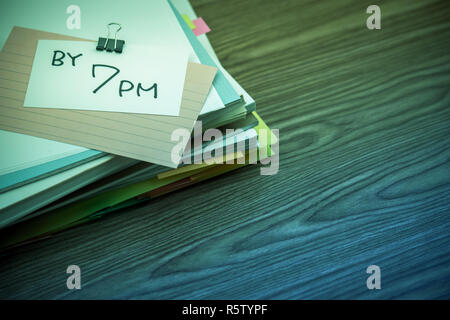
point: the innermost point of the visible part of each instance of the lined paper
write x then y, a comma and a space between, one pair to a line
142, 137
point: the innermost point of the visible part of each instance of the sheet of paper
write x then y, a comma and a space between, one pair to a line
21, 177
74, 75
9, 198
31, 152
143, 137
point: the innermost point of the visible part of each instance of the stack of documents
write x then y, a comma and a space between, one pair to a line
89, 126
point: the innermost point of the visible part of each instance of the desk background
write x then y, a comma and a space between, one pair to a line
364, 172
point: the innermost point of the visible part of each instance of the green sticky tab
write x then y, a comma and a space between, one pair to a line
188, 21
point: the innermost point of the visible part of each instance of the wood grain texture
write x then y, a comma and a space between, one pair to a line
364, 172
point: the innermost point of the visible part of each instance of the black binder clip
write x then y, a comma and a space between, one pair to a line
108, 44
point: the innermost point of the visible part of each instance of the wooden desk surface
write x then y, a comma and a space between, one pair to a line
364, 171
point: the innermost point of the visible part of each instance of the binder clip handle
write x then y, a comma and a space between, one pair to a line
107, 44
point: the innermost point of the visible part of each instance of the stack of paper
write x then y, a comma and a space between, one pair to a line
85, 132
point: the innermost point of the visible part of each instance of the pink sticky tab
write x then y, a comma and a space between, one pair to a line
201, 27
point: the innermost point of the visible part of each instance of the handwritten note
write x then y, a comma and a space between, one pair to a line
73, 75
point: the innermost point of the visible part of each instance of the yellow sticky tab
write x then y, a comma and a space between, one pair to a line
188, 21
215, 172
265, 136
195, 167
188, 168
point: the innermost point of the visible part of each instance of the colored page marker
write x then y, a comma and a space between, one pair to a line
201, 27
188, 21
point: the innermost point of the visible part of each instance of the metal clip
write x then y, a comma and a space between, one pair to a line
107, 43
